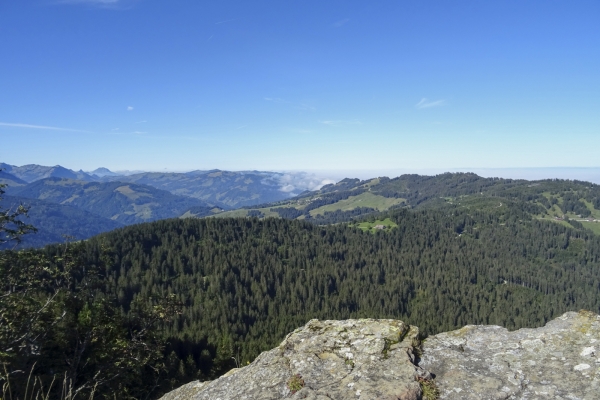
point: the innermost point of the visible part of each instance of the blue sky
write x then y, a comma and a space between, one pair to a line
300, 85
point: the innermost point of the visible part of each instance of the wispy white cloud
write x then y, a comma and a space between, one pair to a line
227, 20
113, 4
297, 182
275, 100
341, 122
116, 132
115, 129
299, 106
425, 103
341, 22
129, 108
49, 128
141, 122
306, 107
302, 131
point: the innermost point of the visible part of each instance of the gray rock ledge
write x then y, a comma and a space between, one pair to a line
375, 359
352, 359
558, 361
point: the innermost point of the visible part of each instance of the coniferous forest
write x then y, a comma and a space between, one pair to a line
138, 311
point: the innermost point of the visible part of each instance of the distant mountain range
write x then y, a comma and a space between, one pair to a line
33, 172
223, 188
105, 199
126, 203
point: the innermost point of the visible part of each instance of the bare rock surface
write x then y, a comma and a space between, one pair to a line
351, 359
558, 361
375, 359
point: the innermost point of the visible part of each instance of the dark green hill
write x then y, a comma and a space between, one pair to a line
125, 203
56, 223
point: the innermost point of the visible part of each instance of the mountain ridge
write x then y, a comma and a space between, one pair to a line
55, 223
125, 203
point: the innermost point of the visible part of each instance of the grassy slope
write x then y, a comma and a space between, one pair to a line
366, 199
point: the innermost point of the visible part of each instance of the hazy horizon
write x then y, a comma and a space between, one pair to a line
590, 174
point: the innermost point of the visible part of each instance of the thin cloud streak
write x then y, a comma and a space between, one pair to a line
227, 20
107, 4
50, 128
298, 106
276, 100
306, 107
97, 2
113, 132
341, 23
425, 103
341, 122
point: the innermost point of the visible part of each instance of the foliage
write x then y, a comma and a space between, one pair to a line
12, 226
57, 324
295, 383
429, 389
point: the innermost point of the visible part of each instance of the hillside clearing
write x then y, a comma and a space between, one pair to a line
370, 200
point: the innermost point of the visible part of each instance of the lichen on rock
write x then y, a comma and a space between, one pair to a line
351, 359
556, 361
377, 359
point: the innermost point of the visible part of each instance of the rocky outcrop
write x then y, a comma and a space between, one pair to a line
379, 359
365, 359
558, 361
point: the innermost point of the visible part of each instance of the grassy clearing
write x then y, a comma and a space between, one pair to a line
593, 226
372, 182
590, 206
242, 212
367, 199
370, 226
557, 221
232, 214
